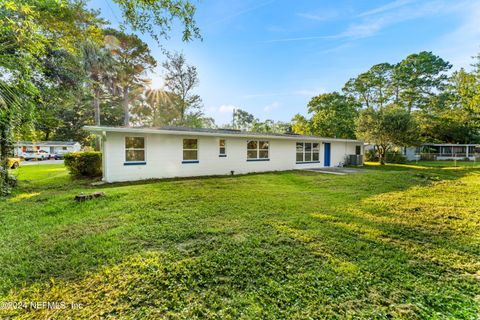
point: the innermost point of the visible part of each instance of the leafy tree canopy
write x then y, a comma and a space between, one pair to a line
156, 17
333, 115
419, 77
181, 79
387, 127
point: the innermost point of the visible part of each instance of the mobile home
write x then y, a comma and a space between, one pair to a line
51, 147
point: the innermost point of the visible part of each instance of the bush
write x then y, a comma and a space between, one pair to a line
86, 164
371, 155
391, 157
7, 182
427, 157
395, 157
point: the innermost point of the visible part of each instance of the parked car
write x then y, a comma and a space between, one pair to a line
59, 156
13, 163
36, 155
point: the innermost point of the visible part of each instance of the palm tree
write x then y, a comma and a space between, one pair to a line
98, 63
133, 60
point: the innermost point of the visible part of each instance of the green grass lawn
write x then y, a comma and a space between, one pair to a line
399, 241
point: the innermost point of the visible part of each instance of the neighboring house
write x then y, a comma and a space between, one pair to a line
52, 147
442, 151
148, 153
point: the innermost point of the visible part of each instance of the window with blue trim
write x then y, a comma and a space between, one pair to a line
257, 150
222, 148
190, 150
134, 149
308, 152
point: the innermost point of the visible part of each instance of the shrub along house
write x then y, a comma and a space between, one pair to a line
148, 153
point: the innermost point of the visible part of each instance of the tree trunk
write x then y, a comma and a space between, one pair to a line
126, 112
5, 146
96, 108
183, 107
382, 152
156, 121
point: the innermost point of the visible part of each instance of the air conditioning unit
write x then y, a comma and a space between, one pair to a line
354, 160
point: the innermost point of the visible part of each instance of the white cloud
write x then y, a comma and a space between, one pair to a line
220, 111
318, 16
226, 108
297, 39
272, 106
364, 29
462, 43
382, 17
339, 48
275, 28
240, 12
261, 95
310, 92
222, 114
389, 6
375, 20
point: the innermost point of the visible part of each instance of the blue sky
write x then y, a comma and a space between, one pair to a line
269, 57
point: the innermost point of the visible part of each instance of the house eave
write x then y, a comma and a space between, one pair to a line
104, 129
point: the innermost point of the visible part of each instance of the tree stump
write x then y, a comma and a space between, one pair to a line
84, 197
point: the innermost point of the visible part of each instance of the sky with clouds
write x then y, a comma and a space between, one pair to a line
269, 57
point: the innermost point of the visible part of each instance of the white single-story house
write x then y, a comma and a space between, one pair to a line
52, 147
442, 151
149, 153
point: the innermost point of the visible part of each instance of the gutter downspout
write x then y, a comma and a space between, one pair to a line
104, 155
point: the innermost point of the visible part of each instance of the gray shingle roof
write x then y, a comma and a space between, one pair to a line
223, 131
209, 131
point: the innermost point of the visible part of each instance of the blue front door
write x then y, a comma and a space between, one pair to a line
326, 158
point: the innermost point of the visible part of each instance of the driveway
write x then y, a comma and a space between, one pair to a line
32, 162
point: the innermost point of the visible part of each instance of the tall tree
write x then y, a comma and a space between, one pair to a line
333, 115
99, 66
28, 30
301, 125
243, 120
133, 60
271, 126
420, 77
156, 109
199, 120
79, 113
387, 127
62, 79
181, 79
454, 114
373, 88
465, 89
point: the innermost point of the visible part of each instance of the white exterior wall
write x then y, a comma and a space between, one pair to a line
338, 151
164, 156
